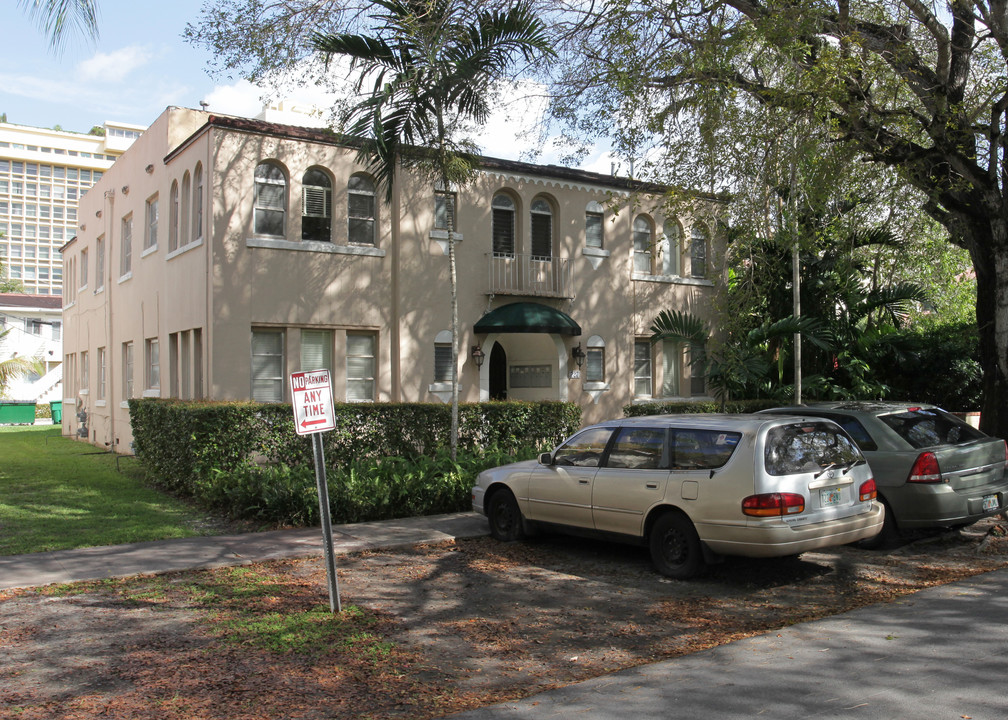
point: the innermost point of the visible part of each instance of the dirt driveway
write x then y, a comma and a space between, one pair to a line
426, 631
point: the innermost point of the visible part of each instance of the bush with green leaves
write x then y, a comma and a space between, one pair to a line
385, 459
677, 407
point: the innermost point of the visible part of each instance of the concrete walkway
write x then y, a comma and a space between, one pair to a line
94, 563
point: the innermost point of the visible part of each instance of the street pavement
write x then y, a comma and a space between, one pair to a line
938, 654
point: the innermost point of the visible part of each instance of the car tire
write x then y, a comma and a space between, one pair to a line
505, 517
675, 547
888, 536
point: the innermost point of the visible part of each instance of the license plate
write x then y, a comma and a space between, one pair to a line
829, 498
990, 502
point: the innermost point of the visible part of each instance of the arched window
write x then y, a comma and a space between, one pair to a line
503, 225
594, 225
642, 243
173, 218
184, 199
361, 210
595, 360
671, 247
316, 206
270, 203
698, 252
197, 203
443, 357
542, 229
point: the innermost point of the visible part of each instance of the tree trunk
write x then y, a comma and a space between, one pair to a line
988, 249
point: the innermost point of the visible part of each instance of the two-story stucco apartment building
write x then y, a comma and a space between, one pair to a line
220, 254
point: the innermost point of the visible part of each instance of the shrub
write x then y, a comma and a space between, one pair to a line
674, 407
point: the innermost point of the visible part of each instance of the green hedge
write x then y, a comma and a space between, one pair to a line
387, 459
678, 407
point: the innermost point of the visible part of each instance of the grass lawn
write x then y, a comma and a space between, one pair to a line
57, 493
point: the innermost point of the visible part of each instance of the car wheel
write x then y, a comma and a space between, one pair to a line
675, 547
505, 517
888, 536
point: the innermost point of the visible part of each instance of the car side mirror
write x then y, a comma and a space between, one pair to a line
546, 459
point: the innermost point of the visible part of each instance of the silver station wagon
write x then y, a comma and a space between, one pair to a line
692, 488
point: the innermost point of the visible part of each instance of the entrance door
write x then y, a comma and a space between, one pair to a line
498, 373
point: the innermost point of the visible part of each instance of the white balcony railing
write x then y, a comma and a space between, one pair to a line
530, 275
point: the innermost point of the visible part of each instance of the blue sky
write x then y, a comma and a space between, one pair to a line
139, 66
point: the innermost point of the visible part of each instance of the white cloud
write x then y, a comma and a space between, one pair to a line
242, 98
113, 67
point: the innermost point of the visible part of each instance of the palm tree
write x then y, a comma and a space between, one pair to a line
56, 18
15, 367
433, 64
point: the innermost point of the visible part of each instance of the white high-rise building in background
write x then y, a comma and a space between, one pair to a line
43, 174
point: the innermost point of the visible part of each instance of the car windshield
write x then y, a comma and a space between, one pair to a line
808, 447
927, 427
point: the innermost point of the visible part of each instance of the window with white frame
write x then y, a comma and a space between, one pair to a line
151, 223
443, 357
361, 210
126, 246
698, 252
642, 242
595, 360
317, 350
360, 370
698, 363
594, 226
503, 225
542, 229
642, 369
197, 203
173, 217
185, 205
99, 268
270, 203
101, 374
127, 370
267, 365
671, 247
152, 364
671, 367
316, 206
444, 210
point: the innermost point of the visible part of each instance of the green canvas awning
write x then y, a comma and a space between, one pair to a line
527, 317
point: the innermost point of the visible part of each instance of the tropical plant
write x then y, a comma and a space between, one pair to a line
15, 367
58, 18
433, 64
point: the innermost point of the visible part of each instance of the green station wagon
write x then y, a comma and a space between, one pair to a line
692, 488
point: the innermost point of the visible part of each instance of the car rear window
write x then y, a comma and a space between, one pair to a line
808, 447
927, 427
702, 449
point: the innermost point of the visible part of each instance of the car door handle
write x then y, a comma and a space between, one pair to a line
583, 481
651, 485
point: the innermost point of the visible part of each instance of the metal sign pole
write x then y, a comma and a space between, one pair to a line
323, 495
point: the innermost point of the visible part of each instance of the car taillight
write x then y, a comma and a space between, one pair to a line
868, 491
773, 504
925, 469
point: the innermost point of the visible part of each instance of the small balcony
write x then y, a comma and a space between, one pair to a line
530, 275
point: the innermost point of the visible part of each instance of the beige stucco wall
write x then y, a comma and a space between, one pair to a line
203, 300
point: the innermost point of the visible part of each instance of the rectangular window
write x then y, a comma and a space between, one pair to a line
642, 252
151, 223
642, 368
57, 330
126, 251
593, 230
83, 268
317, 350
595, 365
197, 363
698, 362
267, 365
361, 228
84, 384
101, 373
671, 368
152, 363
185, 365
127, 370
173, 365
360, 376
698, 254
444, 210
442, 362
99, 268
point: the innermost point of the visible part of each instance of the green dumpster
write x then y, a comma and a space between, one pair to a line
56, 409
17, 413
